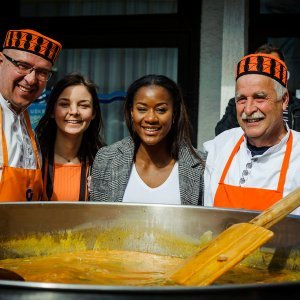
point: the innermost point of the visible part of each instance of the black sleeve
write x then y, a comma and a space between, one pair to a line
229, 119
294, 114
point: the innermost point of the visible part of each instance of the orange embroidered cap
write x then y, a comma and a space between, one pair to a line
264, 64
33, 42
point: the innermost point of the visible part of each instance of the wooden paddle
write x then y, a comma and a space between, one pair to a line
6, 274
232, 245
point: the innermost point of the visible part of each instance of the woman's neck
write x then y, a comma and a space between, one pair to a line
154, 164
152, 155
66, 149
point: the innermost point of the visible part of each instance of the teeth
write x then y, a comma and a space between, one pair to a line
252, 120
24, 89
151, 129
73, 121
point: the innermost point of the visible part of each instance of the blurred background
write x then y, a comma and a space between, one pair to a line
113, 42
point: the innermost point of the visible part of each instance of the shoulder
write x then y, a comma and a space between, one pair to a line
227, 137
231, 102
229, 119
116, 148
187, 155
296, 136
295, 133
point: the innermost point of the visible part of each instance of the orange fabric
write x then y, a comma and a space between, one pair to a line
230, 196
253, 64
264, 64
34, 42
241, 67
66, 185
267, 66
20, 184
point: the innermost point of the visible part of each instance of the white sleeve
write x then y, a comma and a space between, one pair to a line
208, 196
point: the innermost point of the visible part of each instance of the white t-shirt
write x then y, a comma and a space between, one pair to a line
137, 191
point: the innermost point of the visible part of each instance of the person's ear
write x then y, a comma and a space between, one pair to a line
285, 100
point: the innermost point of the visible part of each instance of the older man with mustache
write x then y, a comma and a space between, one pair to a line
254, 166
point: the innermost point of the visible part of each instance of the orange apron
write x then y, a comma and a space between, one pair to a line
20, 184
230, 196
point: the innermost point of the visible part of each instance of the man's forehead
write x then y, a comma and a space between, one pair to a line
254, 79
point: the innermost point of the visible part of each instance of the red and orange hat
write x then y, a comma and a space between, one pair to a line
263, 64
33, 42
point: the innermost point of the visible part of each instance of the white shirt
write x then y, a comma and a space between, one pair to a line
138, 191
19, 147
265, 167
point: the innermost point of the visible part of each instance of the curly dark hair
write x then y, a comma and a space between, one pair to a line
181, 127
268, 49
46, 129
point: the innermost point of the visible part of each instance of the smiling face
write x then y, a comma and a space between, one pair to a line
73, 110
258, 111
21, 90
152, 114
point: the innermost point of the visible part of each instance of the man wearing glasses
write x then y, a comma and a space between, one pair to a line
25, 67
255, 165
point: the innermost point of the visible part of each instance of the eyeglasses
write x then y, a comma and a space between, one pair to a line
25, 69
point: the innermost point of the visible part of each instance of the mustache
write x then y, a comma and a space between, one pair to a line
255, 115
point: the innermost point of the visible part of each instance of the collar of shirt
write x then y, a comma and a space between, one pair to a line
6, 104
271, 149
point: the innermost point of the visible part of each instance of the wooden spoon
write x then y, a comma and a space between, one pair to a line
6, 274
232, 245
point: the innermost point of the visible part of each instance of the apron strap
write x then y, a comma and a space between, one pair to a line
285, 163
31, 135
83, 176
3, 140
234, 151
33, 141
49, 178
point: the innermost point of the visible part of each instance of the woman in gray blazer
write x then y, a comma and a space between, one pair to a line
157, 163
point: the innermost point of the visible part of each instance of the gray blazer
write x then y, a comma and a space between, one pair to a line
112, 167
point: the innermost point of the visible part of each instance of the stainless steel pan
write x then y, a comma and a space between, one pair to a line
162, 229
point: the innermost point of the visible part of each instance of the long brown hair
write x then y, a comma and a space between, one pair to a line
46, 129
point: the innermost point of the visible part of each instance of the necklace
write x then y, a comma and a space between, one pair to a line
65, 158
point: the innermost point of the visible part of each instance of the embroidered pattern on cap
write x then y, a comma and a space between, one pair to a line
34, 42
263, 64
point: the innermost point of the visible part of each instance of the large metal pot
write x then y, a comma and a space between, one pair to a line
162, 229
